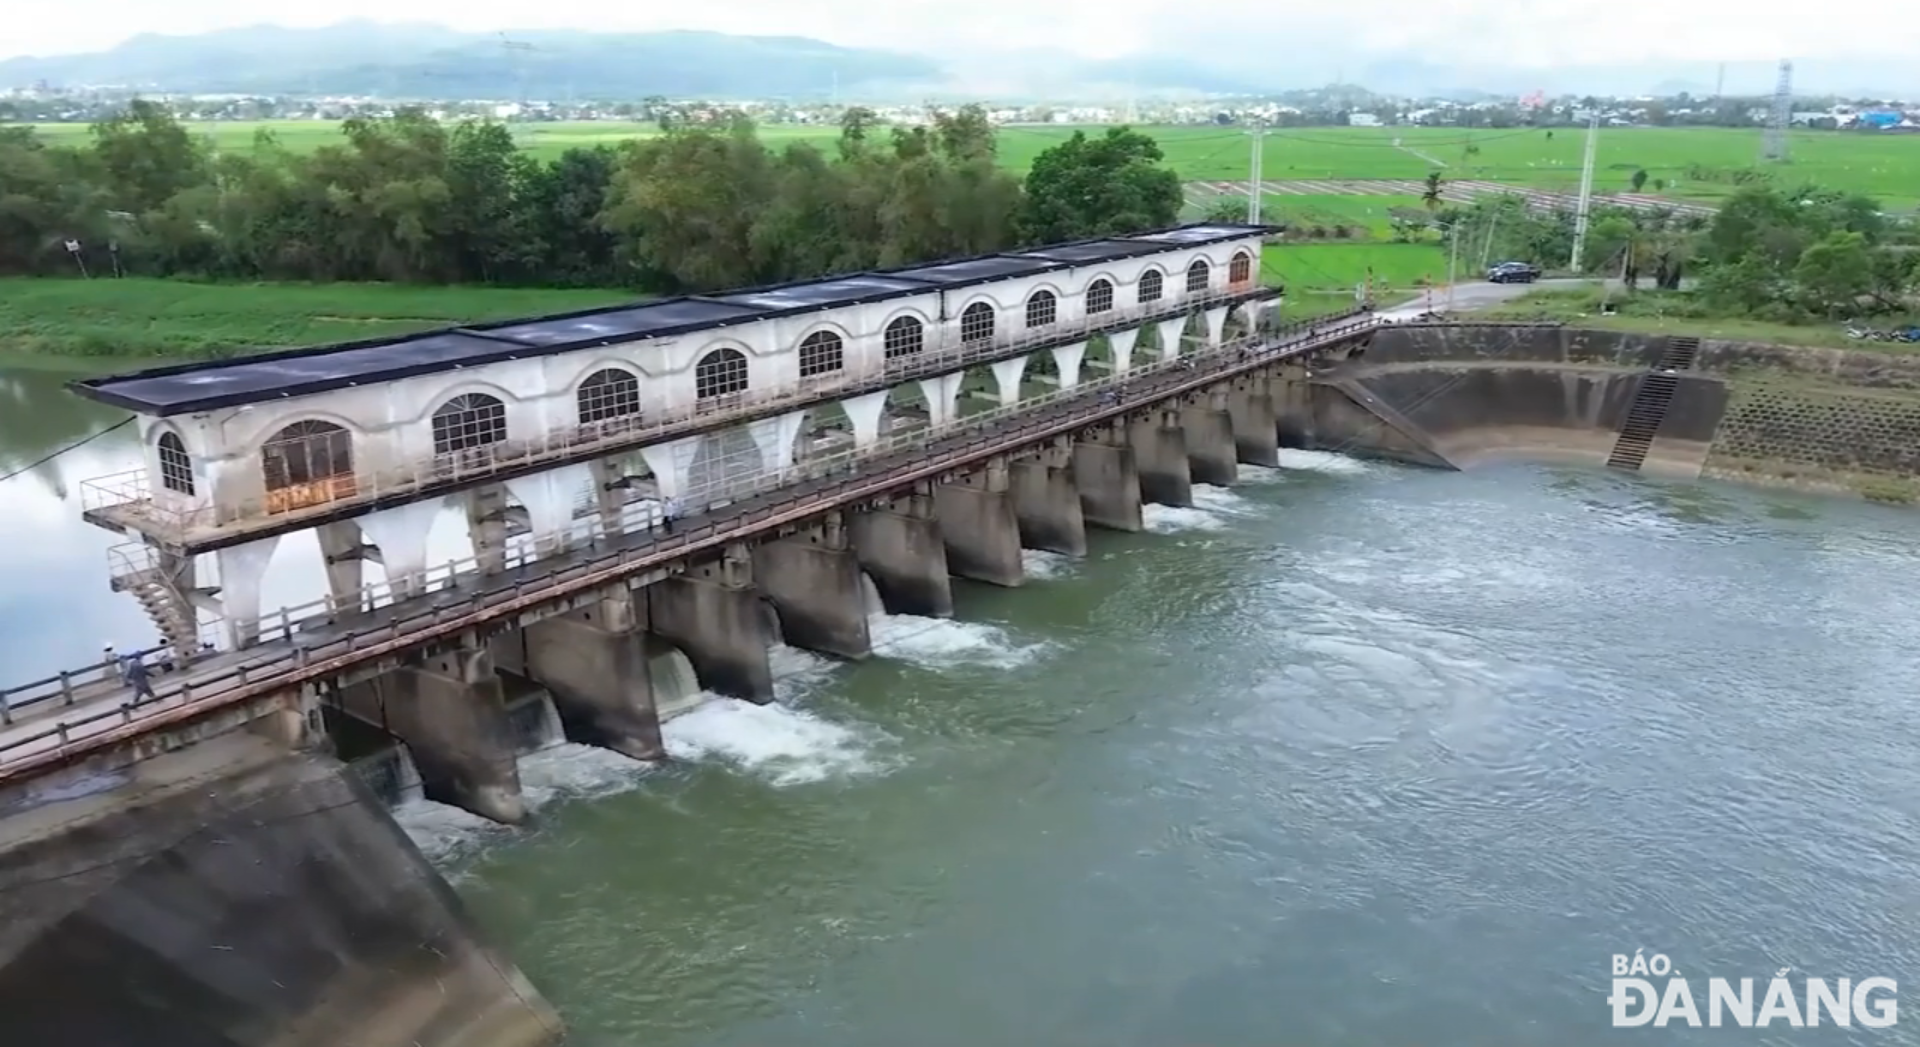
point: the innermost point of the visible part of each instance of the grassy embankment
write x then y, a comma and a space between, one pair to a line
1648, 312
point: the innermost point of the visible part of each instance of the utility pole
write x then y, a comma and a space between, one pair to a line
1255, 187
1453, 262
1586, 191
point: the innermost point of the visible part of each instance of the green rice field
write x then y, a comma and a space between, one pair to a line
1885, 166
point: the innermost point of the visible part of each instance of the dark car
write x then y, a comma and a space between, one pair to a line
1513, 273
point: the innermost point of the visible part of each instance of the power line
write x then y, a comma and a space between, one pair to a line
74, 446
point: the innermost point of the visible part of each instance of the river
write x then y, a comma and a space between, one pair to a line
1350, 754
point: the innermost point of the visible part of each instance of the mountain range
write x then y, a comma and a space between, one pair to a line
429, 61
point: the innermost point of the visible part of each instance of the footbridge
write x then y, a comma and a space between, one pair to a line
715, 531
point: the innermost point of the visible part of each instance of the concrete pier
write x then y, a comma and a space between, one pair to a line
451, 713
595, 667
813, 581
1256, 433
1046, 503
1109, 485
903, 553
1292, 408
980, 528
233, 894
1211, 455
1160, 459
719, 622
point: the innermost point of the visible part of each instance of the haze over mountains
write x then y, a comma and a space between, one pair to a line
427, 61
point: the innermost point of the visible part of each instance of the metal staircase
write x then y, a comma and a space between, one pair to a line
1650, 404
135, 569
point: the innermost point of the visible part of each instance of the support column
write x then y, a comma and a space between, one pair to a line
1292, 409
341, 550
1211, 458
487, 526
1066, 361
1170, 331
594, 663
1006, 379
242, 567
1046, 504
713, 615
1108, 482
399, 537
1160, 459
450, 712
978, 524
903, 553
1120, 347
813, 581
1216, 323
1255, 432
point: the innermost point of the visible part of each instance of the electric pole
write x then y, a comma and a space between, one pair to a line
1255, 188
1773, 145
1586, 191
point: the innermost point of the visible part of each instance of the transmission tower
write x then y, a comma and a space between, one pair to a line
1584, 205
516, 51
1773, 147
1255, 187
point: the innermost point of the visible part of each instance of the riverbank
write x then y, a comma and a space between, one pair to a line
70, 323
1835, 421
1650, 313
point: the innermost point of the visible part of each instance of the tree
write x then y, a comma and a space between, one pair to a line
1225, 210
1639, 180
1835, 273
1088, 187
1430, 193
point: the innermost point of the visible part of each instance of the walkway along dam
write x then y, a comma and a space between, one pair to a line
690, 480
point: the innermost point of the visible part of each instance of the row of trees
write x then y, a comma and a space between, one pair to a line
409, 198
1784, 255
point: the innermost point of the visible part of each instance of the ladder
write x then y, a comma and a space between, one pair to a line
1650, 404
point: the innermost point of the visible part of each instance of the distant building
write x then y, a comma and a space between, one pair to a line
1362, 120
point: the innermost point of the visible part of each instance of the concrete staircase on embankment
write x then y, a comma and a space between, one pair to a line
1650, 404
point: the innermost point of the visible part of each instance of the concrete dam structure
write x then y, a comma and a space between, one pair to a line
645, 519
1456, 395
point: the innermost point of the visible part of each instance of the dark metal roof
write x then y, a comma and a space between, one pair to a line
212, 384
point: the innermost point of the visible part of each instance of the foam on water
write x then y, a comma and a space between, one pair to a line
1044, 565
945, 643
780, 744
1321, 462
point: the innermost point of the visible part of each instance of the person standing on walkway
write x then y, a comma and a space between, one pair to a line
133, 669
669, 508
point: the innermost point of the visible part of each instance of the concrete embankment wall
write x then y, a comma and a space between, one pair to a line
1819, 418
233, 895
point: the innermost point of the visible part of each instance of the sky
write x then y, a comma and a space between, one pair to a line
1533, 33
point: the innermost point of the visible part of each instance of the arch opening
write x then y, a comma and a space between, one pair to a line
607, 395
1198, 276
467, 422
1151, 286
1240, 270
722, 372
821, 352
1043, 308
976, 324
307, 463
1100, 297
176, 466
905, 336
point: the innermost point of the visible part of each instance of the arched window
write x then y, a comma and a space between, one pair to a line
821, 353
1099, 296
1197, 276
1042, 309
608, 393
307, 463
905, 336
1150, 286
1240, 270
468, 420
976, 323
176, 469
719, 373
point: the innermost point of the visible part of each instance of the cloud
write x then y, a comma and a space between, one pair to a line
1457, 33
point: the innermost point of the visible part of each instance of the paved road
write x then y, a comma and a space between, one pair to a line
1476, 295
324, 648
1462, 191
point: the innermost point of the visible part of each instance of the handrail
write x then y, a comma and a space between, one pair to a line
130, 492
275, 671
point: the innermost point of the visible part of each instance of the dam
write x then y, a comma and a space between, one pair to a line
1160, 665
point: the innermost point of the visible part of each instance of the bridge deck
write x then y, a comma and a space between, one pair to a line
50, 730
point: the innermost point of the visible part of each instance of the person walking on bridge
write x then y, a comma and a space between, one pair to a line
133, 670
669, 509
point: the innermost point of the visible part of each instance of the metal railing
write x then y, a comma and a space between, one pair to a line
127, 497
905, 458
